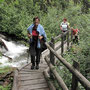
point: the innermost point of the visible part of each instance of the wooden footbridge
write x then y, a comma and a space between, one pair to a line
27, 79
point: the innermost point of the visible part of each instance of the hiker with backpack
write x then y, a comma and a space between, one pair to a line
37, 37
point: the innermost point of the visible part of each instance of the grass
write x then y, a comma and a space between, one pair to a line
6, 69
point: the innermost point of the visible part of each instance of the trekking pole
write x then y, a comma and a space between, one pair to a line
28, 56
28, 53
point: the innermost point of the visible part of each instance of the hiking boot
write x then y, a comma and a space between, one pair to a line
32, 67
37, 66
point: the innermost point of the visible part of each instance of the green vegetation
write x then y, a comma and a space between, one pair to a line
7, 84
6, 69
8, 87
17, 15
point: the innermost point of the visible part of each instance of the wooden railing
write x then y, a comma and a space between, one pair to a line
74, 69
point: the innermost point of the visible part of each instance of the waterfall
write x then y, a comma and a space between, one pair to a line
17, 52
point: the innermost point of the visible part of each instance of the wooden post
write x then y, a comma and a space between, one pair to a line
62, 44
68, 40
71, 38
52, 58
74, 79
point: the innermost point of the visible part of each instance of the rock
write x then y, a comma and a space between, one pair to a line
3, 44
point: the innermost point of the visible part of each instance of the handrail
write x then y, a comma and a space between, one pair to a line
79, 76
57, 76
46, 75
52, 58
60, 35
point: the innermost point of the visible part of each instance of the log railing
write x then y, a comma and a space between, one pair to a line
76, 75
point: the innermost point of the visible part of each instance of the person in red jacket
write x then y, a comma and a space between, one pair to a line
75, 35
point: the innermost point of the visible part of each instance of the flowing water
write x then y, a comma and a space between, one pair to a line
16, 51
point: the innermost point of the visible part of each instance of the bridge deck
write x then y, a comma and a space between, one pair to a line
32, 79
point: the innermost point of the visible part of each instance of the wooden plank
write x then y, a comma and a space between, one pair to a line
33, 72
31, 82
29, 70
42, 89
35, 86
46, 88
23, 72
31, 77
40, 65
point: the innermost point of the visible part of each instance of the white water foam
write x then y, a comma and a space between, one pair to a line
14, 51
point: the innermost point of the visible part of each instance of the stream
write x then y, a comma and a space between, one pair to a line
16, 51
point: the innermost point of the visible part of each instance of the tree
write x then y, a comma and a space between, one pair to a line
86, 6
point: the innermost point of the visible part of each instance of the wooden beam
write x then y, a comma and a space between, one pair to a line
59, 36
15, 81
80, 77
57, 76
47, 77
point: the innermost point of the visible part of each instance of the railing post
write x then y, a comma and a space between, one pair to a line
71, 38
62, 44
74, 79
67, 40
52, 58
